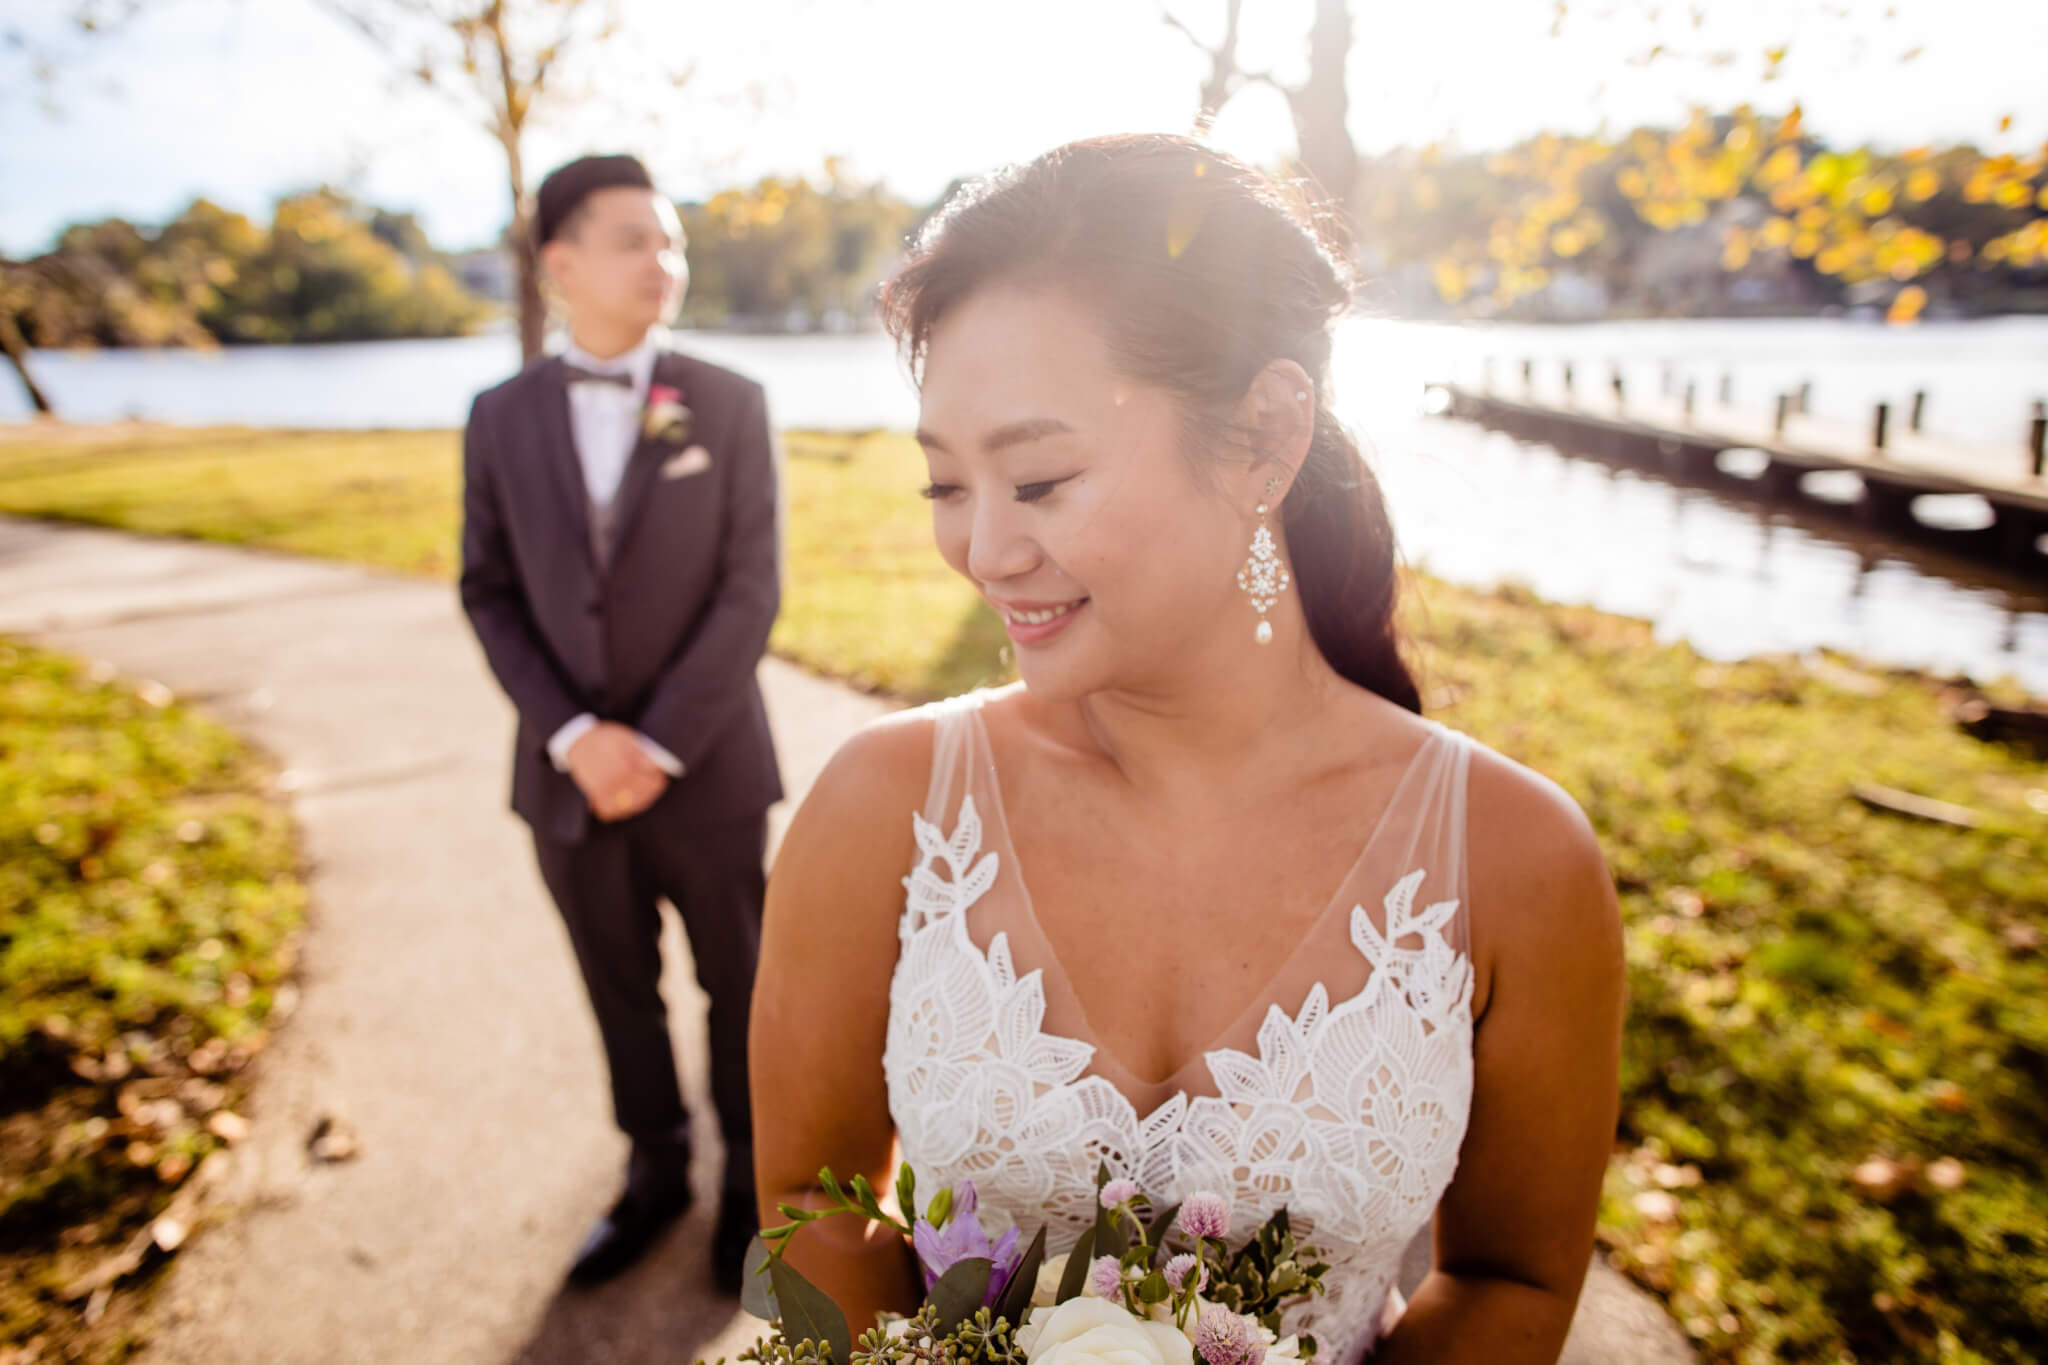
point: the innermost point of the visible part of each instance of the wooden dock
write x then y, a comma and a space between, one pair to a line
1777, 459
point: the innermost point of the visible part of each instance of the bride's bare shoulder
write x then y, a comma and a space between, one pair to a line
852, 837
1542, 898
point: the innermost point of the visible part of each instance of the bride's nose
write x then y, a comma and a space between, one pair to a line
998, 546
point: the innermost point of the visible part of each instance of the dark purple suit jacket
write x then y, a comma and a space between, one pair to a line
666, 636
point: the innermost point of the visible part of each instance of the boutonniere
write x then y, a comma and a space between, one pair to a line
666, 419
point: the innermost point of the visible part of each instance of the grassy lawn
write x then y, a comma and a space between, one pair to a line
1836, 1079
148, 895
390, 498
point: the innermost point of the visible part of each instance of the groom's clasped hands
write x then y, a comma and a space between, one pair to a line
616, 775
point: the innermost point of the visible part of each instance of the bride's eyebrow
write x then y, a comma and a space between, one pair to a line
1005, 436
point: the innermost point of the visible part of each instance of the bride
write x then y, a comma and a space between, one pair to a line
1203, 896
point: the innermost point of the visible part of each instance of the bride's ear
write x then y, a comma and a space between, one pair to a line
1278, 416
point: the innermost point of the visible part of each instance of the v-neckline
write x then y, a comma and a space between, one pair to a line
1174, 1082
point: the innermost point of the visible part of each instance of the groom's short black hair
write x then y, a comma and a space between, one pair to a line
567, 186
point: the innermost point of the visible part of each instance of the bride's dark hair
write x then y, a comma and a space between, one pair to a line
1204, 271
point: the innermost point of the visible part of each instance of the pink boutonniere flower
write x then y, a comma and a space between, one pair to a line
666, 419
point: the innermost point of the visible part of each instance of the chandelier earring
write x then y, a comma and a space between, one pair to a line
1264, 577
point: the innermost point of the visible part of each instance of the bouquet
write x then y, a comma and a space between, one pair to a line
1144, 1285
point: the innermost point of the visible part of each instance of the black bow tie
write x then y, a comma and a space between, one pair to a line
576, 374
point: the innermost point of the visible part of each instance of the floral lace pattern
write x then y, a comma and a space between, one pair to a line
1351, 1114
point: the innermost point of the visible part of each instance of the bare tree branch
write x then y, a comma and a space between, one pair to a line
1225, 78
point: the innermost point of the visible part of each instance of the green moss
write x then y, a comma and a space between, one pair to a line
148, 898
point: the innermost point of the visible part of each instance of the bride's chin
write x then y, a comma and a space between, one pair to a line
1059, 680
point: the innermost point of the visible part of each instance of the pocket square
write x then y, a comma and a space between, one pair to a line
694, 460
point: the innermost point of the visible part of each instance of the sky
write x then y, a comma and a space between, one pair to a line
244, 100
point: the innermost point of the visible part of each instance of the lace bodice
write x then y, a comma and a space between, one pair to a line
1342, 1092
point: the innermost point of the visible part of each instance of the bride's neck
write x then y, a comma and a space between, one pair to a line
1211, 719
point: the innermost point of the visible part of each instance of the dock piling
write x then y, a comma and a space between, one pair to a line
1784, 407
1913, 423
1879, 426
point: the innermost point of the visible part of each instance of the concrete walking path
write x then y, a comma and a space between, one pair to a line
440, 1016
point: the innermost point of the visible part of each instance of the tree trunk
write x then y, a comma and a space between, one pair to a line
515, 100
16, 347
533, 315
1322, 109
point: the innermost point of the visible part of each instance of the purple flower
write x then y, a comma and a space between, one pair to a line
962, 1239
1119, 1192
1224, 1338
1181, 1268
1206, 1215
1106, 1278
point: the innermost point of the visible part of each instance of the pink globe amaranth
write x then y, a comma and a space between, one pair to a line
1106, 1278
1118, 1192
1224, 1338
1205, 1214
1184, 1267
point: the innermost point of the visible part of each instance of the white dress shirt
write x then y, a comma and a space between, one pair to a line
604, 420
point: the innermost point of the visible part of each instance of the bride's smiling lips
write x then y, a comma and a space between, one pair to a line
1031, 623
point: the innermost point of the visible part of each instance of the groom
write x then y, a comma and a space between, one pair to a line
620, 565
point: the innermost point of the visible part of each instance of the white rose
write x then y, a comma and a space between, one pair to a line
895, 1328
1287, 1348
1086, 1331
1050, 1273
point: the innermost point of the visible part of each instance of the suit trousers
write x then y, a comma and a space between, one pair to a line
608, 888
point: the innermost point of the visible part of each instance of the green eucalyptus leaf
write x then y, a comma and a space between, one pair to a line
1016, 1297
808, 1313
757, 1295
1162, 1223
959, 1292
1077, 1267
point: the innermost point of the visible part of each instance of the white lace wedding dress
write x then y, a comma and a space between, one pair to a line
1342, 1092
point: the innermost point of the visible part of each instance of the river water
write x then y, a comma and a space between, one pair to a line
1473, 506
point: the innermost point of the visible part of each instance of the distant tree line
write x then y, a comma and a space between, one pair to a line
325, 268
1730, 213
782, 252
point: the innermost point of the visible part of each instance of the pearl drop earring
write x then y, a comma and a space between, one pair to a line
1263, 577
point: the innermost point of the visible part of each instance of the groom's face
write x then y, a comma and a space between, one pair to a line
1066, 494
619, 261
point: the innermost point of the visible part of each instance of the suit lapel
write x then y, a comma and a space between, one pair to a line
631, 500
565, 466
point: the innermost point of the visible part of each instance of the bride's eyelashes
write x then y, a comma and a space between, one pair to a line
1034, 492
1026, 492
